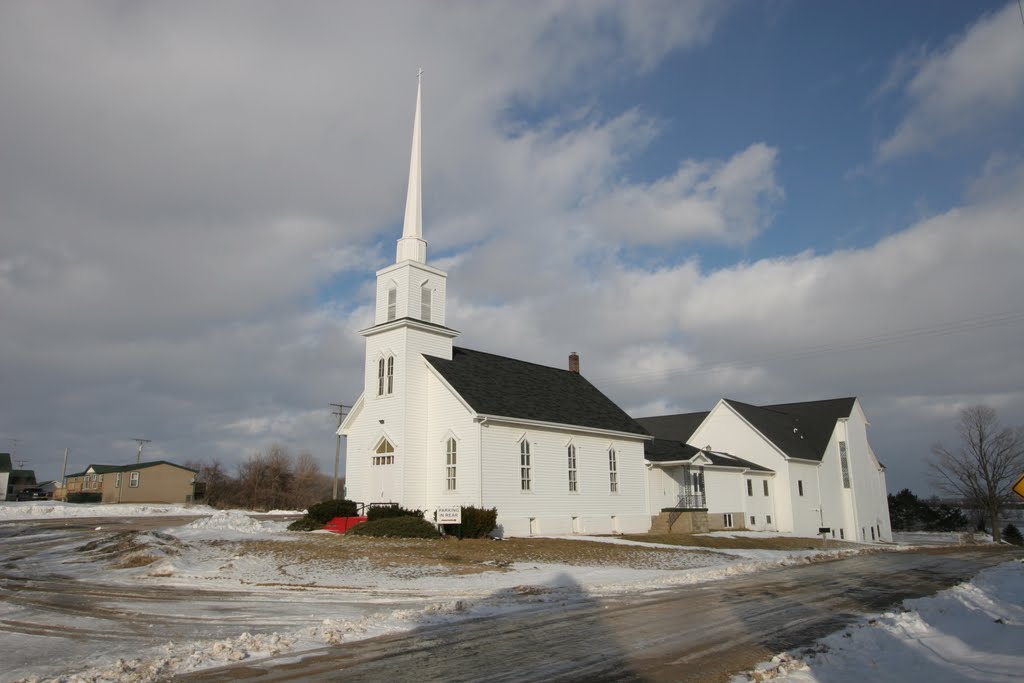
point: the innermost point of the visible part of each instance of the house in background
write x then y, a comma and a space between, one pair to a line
148, 482
801, 467
5, 474
13, 481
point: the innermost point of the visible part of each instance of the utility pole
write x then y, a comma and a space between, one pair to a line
141, 442
340, 412
64, 470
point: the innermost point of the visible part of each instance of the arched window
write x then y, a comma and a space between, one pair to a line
426, 299
385, 376
392, 302
571, 453
450, 462
613, 471
384, 454
525, 476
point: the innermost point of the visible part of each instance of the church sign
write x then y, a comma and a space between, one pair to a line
449, 514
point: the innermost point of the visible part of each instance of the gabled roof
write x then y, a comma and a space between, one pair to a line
670, 450
5, 462
800, 430
506, 387
107, 469
675, 427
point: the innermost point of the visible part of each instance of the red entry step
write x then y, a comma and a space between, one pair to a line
340, 525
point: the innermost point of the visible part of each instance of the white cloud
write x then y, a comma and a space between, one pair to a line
962, 87
180, 181
914, 319
729, 201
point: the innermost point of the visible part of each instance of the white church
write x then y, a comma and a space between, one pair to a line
439, 425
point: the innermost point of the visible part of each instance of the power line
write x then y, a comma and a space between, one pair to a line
931, 331
141, 442
340, 412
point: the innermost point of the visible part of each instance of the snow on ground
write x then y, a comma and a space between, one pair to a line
940, 537
52, 509
971, 632
290, 604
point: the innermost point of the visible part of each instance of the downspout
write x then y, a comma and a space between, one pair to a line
821, 505
480, 456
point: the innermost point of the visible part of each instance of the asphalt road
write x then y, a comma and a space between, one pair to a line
699, 633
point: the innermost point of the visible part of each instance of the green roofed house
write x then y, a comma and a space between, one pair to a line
146, 482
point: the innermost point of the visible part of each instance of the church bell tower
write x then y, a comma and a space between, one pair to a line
409, 323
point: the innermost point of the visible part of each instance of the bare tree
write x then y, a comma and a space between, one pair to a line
218, 487
982, 468
309, 485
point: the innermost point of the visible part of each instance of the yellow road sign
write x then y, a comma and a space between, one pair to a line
1018, 488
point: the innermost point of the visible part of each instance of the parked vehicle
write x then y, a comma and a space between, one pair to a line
32, 494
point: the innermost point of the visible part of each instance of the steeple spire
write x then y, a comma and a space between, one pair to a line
412, 246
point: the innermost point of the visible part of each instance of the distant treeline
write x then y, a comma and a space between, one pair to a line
271, 479
907, 512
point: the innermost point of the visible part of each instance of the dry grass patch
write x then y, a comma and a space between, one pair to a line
741, 542
474, 555
130, 549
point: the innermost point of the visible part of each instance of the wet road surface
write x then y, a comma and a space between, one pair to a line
700, 633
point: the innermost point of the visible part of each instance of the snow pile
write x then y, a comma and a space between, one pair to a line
239, 522
972, 632
178, 659
52, 509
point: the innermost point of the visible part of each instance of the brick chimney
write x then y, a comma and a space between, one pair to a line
574, 362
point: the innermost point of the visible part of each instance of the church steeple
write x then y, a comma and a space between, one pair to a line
412, 247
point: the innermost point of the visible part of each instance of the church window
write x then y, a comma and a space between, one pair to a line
613, 471
571, 452
844, 460
384, 454
764, 485
525, 469
391, 374
392, 302
450, 458
750, 487
426, 298
380, 377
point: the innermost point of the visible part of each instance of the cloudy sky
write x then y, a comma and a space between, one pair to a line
768, 201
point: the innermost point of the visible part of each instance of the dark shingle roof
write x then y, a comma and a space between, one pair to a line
729, 460
5, 462
506, 387
670, 450
107, 469
674, 427
800, 430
